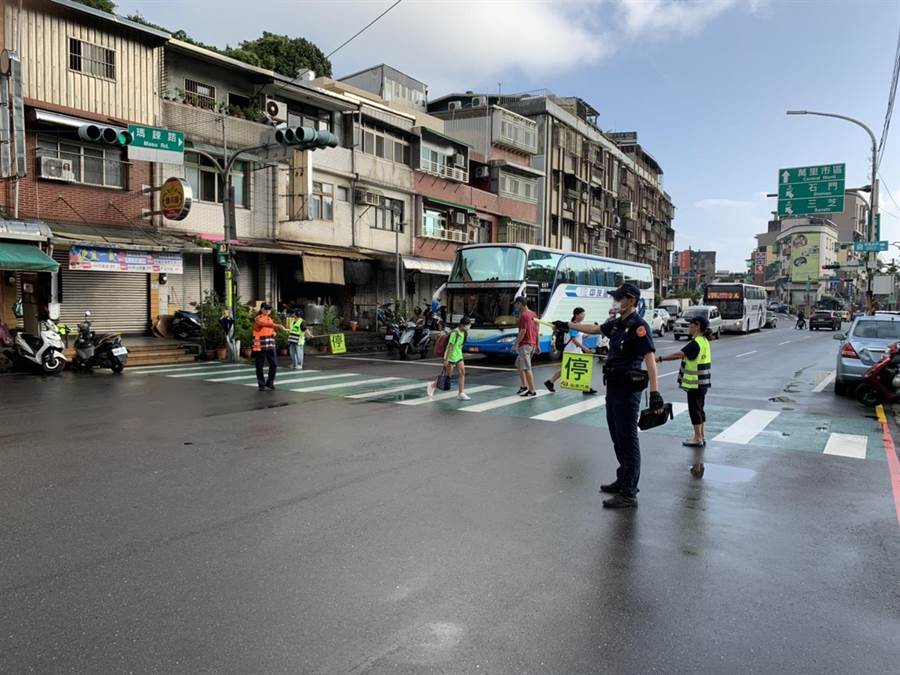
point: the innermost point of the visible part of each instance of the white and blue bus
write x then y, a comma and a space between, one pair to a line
742, 306
486, 278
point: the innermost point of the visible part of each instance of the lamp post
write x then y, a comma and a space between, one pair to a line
873, 208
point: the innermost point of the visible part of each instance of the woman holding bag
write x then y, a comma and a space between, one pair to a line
453, 359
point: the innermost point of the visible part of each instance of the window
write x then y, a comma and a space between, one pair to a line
321, 202
541, 266
434, 223
300, 115
91, 164
383, 144
204, 179
199, 94
388, 215
343, 194
489, 263
518, 187
92, 59
239, 101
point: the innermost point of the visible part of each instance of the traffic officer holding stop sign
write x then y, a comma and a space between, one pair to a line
630, 344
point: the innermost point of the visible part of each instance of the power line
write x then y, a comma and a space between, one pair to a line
890, 106
888, 190
363, 29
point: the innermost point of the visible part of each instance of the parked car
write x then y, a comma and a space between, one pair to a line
771, 320
659, 322
862, 346
711, 312
675, 307
824, 318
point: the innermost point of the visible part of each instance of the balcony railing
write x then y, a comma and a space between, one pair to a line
445, 170
446, 234
206, 125
597, 175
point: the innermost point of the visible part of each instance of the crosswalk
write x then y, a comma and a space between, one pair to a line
852, 437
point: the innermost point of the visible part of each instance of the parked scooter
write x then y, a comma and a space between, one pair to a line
881, 382
415, 339
392, 336
44, 350
186, 325
106, 351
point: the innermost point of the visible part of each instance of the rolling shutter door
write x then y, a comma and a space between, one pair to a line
188, 288
246, 281
119, 301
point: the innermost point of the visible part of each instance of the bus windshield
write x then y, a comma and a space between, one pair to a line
728, 298
489, 263
487, 308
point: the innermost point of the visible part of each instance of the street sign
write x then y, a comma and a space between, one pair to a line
152, 144
811, 189
175, 198
870, 246
338, 346
576, 371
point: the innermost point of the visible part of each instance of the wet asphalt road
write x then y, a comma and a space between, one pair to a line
153, 524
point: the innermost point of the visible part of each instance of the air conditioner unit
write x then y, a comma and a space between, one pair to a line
367, 198
459, 160
276, 110
473, 236
460, 218
483, 172
454, 105
473, 219
479, 101
55, 168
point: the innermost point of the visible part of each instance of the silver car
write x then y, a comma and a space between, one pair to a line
862, 346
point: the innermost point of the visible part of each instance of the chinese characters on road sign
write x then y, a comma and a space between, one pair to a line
577, 370
811, 189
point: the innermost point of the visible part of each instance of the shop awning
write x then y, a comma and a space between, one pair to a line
427, 265
25, 258
125, 237
452, 205
323, 270
25, 230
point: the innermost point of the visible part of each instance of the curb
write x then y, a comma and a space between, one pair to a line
893, 460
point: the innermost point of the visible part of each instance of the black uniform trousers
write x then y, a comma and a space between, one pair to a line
623, 407
261, 357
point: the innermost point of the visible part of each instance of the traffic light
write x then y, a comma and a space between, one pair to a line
99, 133
306, 138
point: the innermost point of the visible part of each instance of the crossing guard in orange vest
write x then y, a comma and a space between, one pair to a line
264, 328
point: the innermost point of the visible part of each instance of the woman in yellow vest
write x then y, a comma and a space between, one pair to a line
297, 334
694, 378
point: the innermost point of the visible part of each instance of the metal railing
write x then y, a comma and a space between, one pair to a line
445, 170
446, 234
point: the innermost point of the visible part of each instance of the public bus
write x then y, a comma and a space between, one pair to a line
742, 306
486, 278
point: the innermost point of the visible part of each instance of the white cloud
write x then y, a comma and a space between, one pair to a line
647, 17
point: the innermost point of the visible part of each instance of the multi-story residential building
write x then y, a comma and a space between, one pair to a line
596, 195
692, 268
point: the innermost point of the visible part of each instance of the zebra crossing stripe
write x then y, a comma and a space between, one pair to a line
847, 445
569, 410
295, 379
323, 387
502, 402
392, 390
745, 429
217, 371
447, 395
251, 372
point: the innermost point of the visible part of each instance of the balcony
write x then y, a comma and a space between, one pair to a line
596, 175
444, 170
597, 214
446, 234
205, 126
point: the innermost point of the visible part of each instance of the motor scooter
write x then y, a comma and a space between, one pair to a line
187, 325
881, 382
44, 350
415, 339
104, 351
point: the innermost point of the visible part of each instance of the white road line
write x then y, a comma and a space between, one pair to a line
746, 354
392, 390
217, 371
251, 372
783, 343
847, 445
569, 410
447, 395
358, 383
295, 379
502, 402
745, 429
674, 372
828, 379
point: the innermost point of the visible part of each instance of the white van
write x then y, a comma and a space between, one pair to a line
711, 312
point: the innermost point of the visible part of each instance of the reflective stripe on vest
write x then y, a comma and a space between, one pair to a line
297, 334
696, 373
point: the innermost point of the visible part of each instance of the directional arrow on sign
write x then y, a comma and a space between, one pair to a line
789, 193
785, 177
789, 210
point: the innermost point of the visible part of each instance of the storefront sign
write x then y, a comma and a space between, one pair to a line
118, 260
175, 197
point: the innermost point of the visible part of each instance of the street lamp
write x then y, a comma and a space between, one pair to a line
873, 207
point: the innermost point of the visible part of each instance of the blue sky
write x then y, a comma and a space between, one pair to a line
705, 84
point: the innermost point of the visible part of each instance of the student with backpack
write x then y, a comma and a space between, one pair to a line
573, 342
453, 359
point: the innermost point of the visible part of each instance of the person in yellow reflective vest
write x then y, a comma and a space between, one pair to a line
297, 334
694, 378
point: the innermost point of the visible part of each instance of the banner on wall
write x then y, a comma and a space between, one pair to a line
804, 256
118, 260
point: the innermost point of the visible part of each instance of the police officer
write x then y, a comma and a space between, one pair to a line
630, 344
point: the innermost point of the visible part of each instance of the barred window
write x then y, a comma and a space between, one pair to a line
200, 94
92, 59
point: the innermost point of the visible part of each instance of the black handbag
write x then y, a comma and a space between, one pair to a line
650, 419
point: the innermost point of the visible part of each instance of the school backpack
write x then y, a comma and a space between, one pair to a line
559, 338
441, 345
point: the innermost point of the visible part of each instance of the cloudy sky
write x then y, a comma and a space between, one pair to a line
705, 84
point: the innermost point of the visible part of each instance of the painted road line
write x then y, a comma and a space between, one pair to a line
502, 402
569, 410
674, 372
846, 445
745, 429
392, 390
251, 373
746, 354
828, 379
217, 371
783, 343
892, 459
448, 395
295, 379
358, 383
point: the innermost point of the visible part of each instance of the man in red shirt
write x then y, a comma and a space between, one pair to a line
526, 344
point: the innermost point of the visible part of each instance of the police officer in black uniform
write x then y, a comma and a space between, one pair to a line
630, 343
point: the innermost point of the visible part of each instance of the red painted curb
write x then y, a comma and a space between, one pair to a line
893, 463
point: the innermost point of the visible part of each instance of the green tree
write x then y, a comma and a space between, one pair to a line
102, 5
283, 54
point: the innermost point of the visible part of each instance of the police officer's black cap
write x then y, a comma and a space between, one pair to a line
265, 305
627, 290
520, 300
701, 321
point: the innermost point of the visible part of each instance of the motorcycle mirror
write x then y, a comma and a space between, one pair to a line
87, 314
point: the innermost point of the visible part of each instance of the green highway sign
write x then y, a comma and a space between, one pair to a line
870, 246
811, 189
152, 144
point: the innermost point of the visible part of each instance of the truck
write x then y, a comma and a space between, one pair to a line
675, 307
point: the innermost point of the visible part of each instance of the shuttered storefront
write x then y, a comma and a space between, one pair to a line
246, 281
119, 301
185, 290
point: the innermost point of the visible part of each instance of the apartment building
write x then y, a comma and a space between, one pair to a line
692, 268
